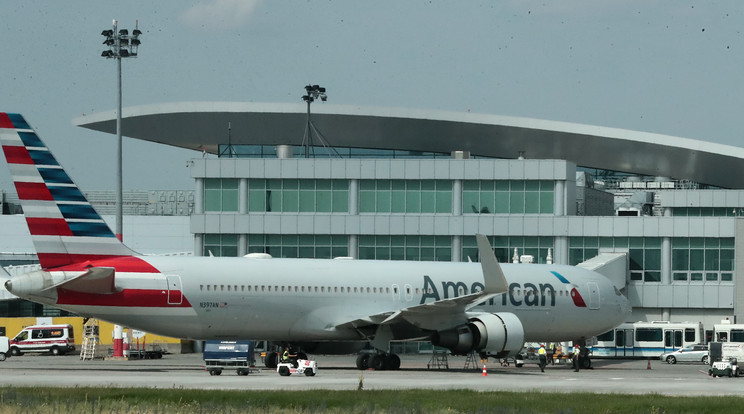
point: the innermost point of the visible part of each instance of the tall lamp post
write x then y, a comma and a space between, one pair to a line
313, 92
121, 45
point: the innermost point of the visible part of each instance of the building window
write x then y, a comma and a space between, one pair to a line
299, 246
507, 197
223, 245
291, 196
221, 194
703, 259
405, 196
417, 248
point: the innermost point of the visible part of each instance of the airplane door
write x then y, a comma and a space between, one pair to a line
175, 295
593, 295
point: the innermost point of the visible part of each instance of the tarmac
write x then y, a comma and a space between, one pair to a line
339, 373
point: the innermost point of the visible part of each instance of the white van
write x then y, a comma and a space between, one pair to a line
4, 347
57, 339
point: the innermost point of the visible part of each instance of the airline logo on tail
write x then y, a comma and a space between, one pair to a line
64, 226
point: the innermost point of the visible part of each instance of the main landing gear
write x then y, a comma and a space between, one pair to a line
378, 362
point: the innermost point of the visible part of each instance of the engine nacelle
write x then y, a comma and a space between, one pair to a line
494, 334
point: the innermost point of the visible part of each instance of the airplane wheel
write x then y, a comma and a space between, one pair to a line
378, 362
272, 360
362, 361
393, 362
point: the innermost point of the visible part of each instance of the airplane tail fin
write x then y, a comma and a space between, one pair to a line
64, 227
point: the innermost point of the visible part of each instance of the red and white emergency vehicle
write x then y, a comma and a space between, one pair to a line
56, 339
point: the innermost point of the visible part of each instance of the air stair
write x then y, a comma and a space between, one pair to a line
90, 340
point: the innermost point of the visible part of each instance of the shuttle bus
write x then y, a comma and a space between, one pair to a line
728, 332
647, 339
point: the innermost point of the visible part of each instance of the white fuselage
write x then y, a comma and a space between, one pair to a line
312, 300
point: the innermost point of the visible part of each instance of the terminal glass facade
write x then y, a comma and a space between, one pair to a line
699, 259
417, 248
298, 195
508, 197
405, 196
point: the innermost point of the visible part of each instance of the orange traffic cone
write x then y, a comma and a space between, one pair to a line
649, 364
485, 374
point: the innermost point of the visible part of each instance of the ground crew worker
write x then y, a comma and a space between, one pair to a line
286, 356
551, 353
543, 357
575, 357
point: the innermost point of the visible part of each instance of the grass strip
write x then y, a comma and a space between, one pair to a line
150, 400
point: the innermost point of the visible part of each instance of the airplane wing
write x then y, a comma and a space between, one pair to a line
448, 312
98, 280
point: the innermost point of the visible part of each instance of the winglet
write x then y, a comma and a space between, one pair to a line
493, 277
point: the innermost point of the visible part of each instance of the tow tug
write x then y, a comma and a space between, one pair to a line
301, 366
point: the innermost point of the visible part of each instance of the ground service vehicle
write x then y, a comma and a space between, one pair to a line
57, 339
302, 366
4, 347
647, 339
695, 353
221, 355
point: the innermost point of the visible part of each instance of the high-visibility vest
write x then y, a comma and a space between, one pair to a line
541, 351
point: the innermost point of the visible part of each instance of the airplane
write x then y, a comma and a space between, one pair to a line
324, 305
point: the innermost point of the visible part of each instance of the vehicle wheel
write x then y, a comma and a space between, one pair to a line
54, 351
15, 351
378, 362
362, 361
284, 371
272, 360
2, 356
705, 359
586, 363
671, 360
243, 372
215, 372
309, 372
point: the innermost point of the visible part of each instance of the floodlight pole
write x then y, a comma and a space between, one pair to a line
313, 92
121, 45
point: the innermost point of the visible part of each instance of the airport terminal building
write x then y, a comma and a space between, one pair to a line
387, 183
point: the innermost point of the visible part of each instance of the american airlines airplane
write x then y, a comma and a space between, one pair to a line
321, 305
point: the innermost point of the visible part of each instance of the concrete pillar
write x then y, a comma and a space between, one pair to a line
199, 196
559, 200
354, 246
457, 197
354, 196
456, 248
243, 196
666, 261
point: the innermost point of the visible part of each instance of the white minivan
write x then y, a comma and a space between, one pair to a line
57, 339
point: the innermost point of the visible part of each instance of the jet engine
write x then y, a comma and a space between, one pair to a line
494, 334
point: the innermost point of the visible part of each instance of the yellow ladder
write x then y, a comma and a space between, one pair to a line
90, 340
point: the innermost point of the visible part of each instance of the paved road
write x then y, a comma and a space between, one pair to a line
337, 373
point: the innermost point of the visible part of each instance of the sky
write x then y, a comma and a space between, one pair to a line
667, 67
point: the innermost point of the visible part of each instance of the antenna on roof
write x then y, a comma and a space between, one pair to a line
228, 151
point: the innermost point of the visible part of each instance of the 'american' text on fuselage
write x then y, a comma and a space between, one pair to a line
531, 294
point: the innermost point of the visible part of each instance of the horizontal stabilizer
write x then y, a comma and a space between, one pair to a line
99, 280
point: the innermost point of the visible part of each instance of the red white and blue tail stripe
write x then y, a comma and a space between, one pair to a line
64, 227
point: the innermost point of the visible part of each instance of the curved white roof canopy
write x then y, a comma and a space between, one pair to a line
197, 125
